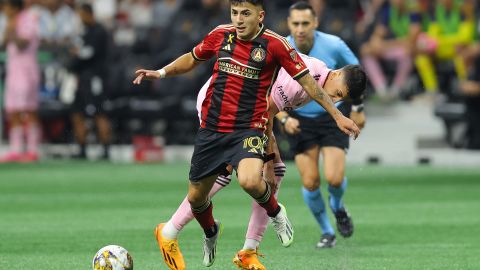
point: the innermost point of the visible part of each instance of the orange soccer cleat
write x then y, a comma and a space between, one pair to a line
246, 259
170, 250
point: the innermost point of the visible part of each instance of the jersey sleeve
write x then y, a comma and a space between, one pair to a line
345, 55
207, 48
289, 59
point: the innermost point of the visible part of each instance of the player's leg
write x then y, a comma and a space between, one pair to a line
259, 218
307, 164
80, 132
202, 209
251, 180
104, 133
33, 135
183, 215
334, 169
208, 161
247, 257
15, 136
167, 233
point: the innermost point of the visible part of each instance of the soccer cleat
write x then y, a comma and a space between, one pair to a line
30, 157
282, 227
170, 250
344, 222
326, 241
246, 259
11, 157
210, 246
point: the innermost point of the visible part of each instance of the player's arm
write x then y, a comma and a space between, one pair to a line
181, 65
321, 97
358, 115
290, 124
202, 52
270, 148
12, 36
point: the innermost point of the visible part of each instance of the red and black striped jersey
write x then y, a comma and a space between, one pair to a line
237, 97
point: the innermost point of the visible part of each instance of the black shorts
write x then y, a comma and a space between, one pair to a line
215, 150
90, 98
321, 131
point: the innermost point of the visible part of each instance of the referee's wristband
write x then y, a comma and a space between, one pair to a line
162, 72
358, 108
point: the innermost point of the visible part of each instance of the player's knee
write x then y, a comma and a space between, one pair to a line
334, 179
196, 199
249, 183
312, 183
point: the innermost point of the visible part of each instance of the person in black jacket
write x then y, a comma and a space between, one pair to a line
90, 67
471, 90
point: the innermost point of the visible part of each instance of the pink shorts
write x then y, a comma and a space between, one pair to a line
21, 93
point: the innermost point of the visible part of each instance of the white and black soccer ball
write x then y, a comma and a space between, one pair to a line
112, 257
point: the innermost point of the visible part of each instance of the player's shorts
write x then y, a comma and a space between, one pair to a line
90, 96
213, 151
21, 91
321, 131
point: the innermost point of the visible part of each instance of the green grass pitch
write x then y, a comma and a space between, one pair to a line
57, 215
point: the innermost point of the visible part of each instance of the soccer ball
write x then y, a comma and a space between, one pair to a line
112, 257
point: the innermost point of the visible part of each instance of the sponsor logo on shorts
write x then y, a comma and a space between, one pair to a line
254, 145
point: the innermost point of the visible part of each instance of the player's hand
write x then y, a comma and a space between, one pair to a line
348, 126
146, 74
269, 175
292, 126
358, 118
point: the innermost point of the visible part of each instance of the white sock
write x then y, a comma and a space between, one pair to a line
251, 244
169, 231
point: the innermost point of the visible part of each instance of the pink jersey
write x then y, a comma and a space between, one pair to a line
23, 74
288, 94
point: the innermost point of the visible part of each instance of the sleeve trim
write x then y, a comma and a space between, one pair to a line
301, 74
196, 57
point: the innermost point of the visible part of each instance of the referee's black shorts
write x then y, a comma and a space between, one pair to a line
322, 131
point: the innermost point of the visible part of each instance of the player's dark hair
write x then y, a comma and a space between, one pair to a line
302, 5
19, 4
86, 7
253, 2
356, 81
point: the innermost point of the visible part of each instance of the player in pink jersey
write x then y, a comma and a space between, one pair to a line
287, 94
22, 81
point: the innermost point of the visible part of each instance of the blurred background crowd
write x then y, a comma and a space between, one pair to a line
86, 57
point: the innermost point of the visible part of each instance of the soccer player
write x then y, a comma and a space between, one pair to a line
311, 131
22, 82
235, 114
346, 83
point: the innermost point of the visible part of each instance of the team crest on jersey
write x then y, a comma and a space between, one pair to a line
258, 54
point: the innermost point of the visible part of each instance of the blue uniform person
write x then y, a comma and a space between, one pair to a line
311, 131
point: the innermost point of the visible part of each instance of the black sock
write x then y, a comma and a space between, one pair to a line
211, 232
106, 151
83, 150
